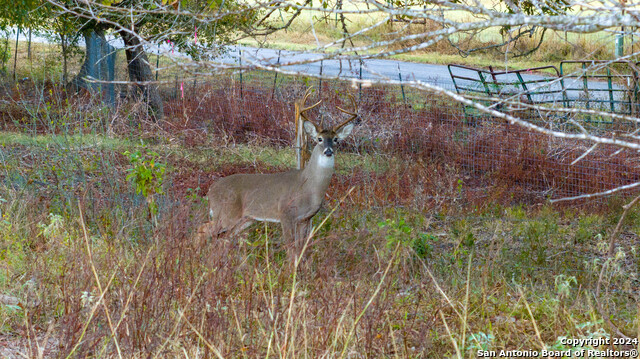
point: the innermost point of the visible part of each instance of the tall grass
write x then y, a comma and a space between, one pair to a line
421, 259
477, 48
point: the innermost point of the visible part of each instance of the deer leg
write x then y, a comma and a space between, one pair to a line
288, 230
240, 226
302, 237
205, 231
289, 237
295, 234
302, 233
223, 223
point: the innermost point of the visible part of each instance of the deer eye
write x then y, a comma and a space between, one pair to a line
319, 139
335, 140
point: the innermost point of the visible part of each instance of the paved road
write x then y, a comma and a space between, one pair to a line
381, 69
372, 69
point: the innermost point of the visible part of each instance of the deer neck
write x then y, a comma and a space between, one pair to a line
318, 171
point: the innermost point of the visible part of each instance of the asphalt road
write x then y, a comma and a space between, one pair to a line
384, 69
372, 69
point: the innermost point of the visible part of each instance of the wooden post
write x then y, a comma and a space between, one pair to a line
301, 141
404, 99
298, 139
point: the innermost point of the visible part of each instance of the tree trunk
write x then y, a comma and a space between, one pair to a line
98, 65
140, 73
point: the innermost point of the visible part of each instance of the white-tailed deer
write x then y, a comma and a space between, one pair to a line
289, 198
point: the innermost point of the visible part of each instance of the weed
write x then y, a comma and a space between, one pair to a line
588, 227
462, 232
193, 195
563, 285
423, 245
480, 341
147, 175
536, 236
398, 233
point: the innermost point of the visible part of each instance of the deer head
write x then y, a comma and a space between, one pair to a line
327, 138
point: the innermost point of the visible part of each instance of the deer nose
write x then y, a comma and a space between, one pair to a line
328, 152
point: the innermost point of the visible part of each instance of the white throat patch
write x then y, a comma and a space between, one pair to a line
324, 161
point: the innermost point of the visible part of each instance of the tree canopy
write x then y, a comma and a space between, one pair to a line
23, 14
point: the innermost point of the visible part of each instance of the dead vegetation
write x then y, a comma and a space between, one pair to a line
443, 246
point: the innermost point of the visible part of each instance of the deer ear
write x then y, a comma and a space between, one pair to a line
345, 131
310, 129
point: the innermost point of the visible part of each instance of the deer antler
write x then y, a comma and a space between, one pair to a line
354, 113
304, 101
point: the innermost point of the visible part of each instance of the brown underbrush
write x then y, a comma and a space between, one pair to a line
435, 239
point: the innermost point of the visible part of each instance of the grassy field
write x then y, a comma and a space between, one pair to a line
411, 256
312, 30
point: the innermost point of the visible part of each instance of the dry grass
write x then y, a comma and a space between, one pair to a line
309, 31
437, 252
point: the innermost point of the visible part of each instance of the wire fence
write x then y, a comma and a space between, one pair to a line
412, 148
421, 149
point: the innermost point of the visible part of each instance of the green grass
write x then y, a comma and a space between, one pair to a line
69, 142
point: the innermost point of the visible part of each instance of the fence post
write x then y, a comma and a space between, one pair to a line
360, 83
299, 136
175, 87
15, 56
404, 99
29, 45
620, 44
275, 78
111, 75
240, 61
424, 26
320, 80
